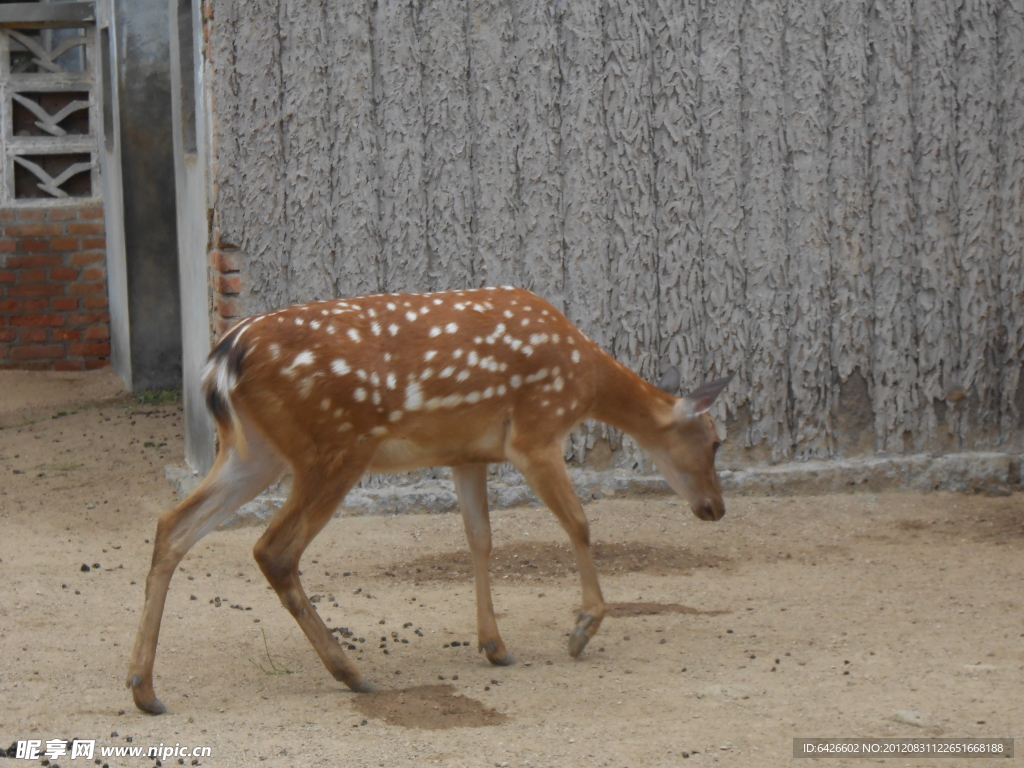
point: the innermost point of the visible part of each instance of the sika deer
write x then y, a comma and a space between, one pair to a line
391, 383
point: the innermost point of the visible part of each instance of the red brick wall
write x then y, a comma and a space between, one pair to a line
227, 285
53, 289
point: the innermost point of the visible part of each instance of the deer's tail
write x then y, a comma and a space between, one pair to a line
221, 374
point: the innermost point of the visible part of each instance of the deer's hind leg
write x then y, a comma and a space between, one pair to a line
471, 487
317, 491
233, 481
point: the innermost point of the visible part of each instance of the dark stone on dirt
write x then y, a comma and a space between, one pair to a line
85, 568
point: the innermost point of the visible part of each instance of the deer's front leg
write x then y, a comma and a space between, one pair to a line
544, 469
471, 487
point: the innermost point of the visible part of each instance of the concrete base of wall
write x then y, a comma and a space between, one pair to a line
992, 474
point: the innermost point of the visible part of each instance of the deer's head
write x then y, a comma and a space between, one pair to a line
689, 442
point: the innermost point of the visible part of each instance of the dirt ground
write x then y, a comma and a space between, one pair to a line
871, 615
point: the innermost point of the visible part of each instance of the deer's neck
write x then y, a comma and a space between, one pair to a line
627, 402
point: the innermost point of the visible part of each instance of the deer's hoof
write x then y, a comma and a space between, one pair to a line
578, 641
145, 698
365, 686
581, 634
154, 706
504, 659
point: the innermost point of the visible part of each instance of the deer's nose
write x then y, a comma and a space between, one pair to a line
710, 510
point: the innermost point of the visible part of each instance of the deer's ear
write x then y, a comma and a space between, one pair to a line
700, 400
670, 381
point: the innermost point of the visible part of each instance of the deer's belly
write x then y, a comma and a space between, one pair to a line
404, 453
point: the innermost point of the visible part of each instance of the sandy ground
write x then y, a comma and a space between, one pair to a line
895, 615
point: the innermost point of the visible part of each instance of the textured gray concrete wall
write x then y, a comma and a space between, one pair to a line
826, 199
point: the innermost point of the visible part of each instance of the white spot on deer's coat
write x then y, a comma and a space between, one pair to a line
361, 374
330, 329
463, 375
527, 350
379, 431
375, 327
354, 335
560, 411
575, 355
392, 381
478, 307
457, 354
472, 359
340, 367
315, 325
393, 329
438, 302
501, 389
559, 383
299, 321
303, 358
410, 316
473, 397
489, 392
392, 307
507, 313
275, 351
435, 331
395, 416
443, 402
430, 355
371, 313
525, 321
306, 386
498, 331
538, 338
451, 328
344, 427
337, 412
325, 404
514, 343
359, 394
541, 374
413, 396
427, 373
515, 382
376, 397
446, 372
424, 310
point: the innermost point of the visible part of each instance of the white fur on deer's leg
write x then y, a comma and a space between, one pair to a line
471, 488
316, 492
545, 472
231, 483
